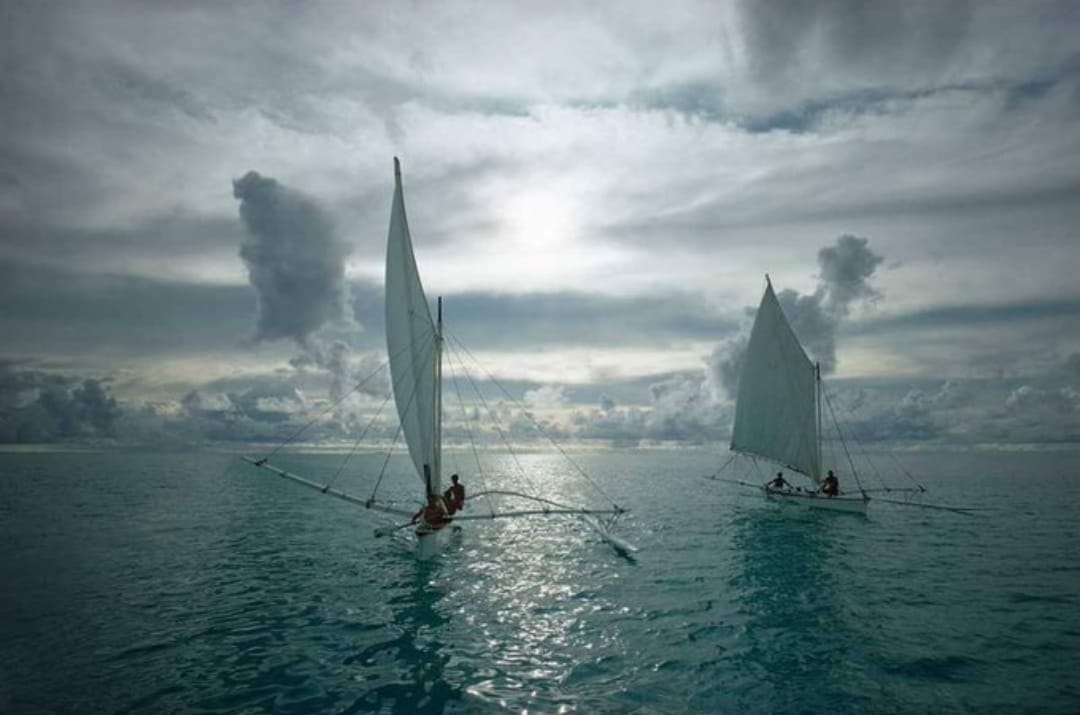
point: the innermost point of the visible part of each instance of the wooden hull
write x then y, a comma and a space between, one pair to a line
431, 542
813, 500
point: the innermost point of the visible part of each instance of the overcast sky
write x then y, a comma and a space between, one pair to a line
194, 202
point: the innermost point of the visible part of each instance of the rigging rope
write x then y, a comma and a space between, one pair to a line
495, 421
725, 464
859, 446
891, 456
386, 461
468, 431
359, 439
906, 472
333, 405
843, 443
536, 424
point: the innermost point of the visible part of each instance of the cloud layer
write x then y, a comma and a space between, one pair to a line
596, 192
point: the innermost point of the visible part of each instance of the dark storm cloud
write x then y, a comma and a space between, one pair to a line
295, 260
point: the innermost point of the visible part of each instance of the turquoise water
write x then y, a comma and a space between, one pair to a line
138, 582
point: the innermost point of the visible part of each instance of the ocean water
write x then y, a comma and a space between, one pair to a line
191, 582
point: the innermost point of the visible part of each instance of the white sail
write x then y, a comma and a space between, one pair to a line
776, 408
414, 344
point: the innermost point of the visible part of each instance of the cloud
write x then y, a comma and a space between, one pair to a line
296, 263
687, 147
1064, 400
884, 40
1072, 365
546, 397
42, 407
681, 407
198, 402
295, 260
726, 362
116, 318
576, 317
845, 269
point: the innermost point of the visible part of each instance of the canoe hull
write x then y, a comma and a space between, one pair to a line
431, 542
812, 500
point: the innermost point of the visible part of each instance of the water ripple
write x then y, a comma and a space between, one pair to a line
171, 583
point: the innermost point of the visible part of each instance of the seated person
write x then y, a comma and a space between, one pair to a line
434, 513
779, 482
830, 486
455, 495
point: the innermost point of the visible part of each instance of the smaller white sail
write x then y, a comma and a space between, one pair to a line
776, 407
413, 343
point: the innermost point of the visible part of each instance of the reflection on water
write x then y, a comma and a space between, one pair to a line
166, 583
406, 673
796, 640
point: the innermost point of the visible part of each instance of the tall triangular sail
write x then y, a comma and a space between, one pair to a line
776, 408
414, 345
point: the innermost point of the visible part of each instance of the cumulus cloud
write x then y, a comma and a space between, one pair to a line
1063, 400
41, 407
295, 260
296, 264
546, 397
690, 406
200, 402
845, 271
681, 407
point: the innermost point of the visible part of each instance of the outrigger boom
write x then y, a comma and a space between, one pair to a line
326, 488
371, 504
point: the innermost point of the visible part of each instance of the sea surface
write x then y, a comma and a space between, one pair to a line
192, 582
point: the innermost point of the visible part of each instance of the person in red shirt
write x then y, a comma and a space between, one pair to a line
434, 513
